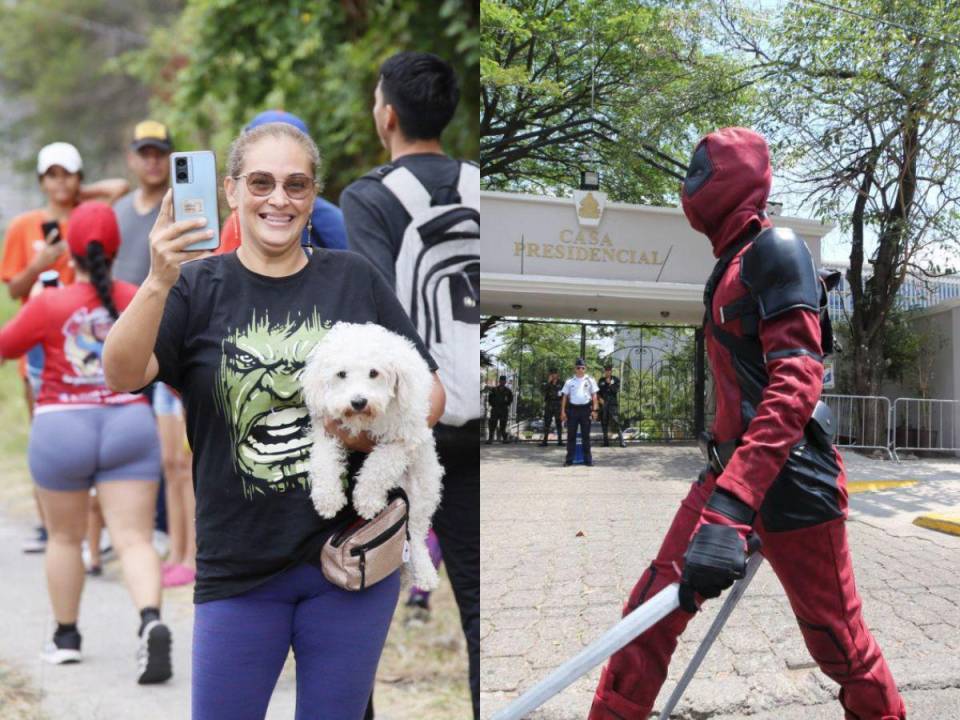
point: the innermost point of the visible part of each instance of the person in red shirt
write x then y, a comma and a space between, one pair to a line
773, 470
84, 434
27, 252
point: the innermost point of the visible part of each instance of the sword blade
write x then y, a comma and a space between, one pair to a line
729, 603
630, 627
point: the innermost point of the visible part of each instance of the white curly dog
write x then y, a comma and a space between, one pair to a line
373, 380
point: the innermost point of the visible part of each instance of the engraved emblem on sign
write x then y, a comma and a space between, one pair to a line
193, 206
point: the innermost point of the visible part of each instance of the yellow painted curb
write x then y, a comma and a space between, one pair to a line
861, 486
949, 524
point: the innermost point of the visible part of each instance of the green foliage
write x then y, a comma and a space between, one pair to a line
622, 85
224, 61
861, 106
53, 57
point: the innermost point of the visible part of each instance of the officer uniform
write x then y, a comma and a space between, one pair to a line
580, 394
609, 392
551, 408
500, 399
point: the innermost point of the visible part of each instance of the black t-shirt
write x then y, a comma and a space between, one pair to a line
551, 394
233, 343
609, 389
376, 220
500, 398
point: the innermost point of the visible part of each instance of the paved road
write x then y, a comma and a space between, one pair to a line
103, 686
548, 592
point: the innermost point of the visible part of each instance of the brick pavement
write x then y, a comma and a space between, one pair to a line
548, 592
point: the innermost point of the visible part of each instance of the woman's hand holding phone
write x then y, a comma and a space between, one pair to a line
168, 240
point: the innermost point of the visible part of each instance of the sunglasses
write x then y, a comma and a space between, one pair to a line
296, 186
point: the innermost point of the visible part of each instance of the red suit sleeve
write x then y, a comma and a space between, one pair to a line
791, 347
25, 329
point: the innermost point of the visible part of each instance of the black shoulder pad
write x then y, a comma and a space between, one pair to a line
379, 173
778, 270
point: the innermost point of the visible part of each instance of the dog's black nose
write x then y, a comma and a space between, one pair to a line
358, 403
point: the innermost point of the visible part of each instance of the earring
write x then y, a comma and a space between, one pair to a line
310, 230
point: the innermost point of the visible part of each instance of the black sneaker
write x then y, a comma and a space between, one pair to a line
567, 464
36, 543
64, 648
153, 655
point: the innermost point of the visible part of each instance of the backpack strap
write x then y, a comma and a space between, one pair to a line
469, 185
379, 172
408, 190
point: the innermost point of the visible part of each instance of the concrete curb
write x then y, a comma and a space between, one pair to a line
860, 486
941, 522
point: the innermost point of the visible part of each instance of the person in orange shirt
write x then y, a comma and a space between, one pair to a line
28, 251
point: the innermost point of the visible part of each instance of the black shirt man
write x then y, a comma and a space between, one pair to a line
414, 100
609, 393
500, 399
551, 406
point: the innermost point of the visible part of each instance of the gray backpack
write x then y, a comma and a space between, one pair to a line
438, 281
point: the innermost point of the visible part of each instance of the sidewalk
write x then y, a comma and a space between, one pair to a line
422, 673
103, 686
548, 592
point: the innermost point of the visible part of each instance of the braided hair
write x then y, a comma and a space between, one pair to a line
96, 264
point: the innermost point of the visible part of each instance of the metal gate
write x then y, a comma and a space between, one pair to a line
656, 366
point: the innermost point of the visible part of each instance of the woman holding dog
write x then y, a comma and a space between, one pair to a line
232, 334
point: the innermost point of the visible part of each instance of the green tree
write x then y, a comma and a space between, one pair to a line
622, 85
55, 71
526, 351
861, 101
223, 61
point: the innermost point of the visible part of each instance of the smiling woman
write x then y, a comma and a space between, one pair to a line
231, 333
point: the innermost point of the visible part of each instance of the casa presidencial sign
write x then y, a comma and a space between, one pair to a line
587, 237
585, 257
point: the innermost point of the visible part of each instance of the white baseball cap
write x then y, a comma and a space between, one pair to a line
59, 153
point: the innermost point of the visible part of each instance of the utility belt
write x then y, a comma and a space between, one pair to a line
818, 432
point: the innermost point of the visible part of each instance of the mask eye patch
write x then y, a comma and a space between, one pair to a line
699, 171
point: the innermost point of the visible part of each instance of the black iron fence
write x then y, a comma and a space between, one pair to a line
661, 397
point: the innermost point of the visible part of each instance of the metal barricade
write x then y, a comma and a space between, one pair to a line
925, 424
862, 422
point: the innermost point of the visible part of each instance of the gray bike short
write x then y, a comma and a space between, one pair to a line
73, 448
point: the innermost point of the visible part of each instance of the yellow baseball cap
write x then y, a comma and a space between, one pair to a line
151, 133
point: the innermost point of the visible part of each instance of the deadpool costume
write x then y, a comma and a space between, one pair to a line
772, 470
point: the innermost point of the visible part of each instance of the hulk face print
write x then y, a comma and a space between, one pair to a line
258, 391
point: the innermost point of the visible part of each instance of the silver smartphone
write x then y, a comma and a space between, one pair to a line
194, 176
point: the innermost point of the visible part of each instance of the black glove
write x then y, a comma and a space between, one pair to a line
715, 558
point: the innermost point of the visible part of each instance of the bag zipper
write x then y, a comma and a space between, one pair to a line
379, 539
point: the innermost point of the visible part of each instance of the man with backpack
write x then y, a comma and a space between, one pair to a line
417, 219
772, 470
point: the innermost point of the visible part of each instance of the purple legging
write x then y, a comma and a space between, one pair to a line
240, 645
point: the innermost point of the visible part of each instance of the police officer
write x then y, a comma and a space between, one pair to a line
609, 392
501, 398
578, 407
551, 406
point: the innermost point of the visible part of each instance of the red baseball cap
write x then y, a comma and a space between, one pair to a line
93, 222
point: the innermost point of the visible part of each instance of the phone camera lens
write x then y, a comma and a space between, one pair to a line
181, 177
181, 162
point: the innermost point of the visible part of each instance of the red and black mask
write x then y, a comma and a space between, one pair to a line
727, 184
